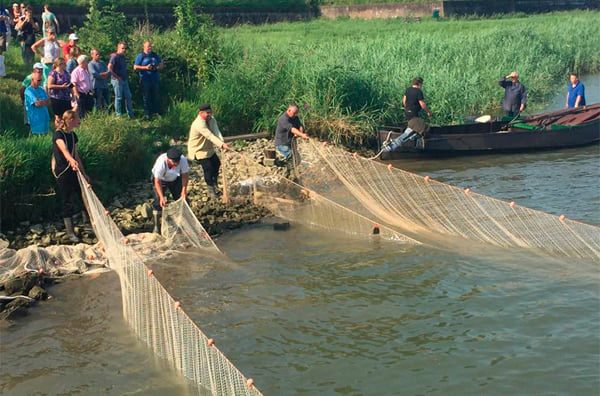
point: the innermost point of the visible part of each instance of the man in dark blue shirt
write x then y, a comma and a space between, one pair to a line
117, 65
148, 63
515, 95
288, 127
575, 92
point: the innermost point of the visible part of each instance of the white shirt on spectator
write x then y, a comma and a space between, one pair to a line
162, 172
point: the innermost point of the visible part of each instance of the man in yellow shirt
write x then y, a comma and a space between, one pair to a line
205, 137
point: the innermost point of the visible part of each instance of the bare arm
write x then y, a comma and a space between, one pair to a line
424, 107
112, 73
184, 185
578, 100
404, 101
35, 45
299, 133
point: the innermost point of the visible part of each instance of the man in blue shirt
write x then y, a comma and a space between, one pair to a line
148, 63
575, 92
117, 65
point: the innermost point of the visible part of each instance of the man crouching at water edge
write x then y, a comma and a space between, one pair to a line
169, 171
288, 128
205, 136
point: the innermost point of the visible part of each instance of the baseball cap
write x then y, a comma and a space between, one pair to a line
73, 36
174, 154
38, 65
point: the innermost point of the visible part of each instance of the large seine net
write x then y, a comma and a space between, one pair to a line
432, 211
251, 183
157, 319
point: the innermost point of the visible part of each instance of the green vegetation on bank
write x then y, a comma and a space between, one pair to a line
348, 76
244, 4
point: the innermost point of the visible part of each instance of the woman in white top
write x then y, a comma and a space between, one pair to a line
51, 49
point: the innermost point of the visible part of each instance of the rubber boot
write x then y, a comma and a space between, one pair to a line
69, 229
212, 192
156, 218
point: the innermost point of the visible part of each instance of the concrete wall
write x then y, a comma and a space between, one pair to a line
370, 11
488, 7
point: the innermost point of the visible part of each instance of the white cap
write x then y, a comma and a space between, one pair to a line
38, 65
73, 36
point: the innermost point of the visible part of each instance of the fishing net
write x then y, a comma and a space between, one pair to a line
432, 211
157, 319
245, 181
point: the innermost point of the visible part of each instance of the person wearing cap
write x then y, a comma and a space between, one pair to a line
36, 103
170, 171
148, 64
37, 69
82, 86
204, 137
515, 95
71, 44
49, 21
117, 65
288, 128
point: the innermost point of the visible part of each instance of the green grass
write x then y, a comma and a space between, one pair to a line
350, 74
246, 4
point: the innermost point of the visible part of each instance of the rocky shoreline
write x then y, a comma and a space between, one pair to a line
132, 212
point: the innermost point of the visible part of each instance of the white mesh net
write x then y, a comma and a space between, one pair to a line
156, 318
251, 183
427, 210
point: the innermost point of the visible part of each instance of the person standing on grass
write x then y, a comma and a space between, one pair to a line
71, 60
73, 39
36, 103
51, 50
204, 137
49, 21
148, 64
100, 74
59, 89
37, 69
170, 171
4, 31
27, 26
575, 92
117, 65
66, 162
82, 86
515, 95
288, 128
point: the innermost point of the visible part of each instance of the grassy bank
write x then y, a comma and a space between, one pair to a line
245, 4
351, 74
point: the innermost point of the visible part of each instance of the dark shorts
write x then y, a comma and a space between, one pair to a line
59, 106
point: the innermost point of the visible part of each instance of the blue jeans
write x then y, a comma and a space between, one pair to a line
122, 91
150, 96
407, 135
284, 150
102, 98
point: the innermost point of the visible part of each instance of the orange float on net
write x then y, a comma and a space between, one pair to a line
427, 178
107, 212
467, 190
562, 218
390, 167
512, 204
125, 241
249, 382
177, 305
40, 270
354, 155
210, 342
150, 272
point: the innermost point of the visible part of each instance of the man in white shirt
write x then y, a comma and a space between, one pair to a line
170, 171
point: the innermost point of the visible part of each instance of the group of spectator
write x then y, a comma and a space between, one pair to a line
65, 78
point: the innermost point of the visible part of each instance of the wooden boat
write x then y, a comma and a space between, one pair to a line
552, 130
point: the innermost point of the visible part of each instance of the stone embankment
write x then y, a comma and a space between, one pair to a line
132, 212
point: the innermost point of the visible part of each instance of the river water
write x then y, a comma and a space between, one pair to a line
305, 312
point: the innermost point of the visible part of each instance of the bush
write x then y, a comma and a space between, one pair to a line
103, 28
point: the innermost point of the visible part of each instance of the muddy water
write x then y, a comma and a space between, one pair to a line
305, 312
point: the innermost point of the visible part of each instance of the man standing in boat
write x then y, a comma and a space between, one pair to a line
515, 95
575, 92
413, 102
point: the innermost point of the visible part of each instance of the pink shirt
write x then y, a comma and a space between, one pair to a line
80, 77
